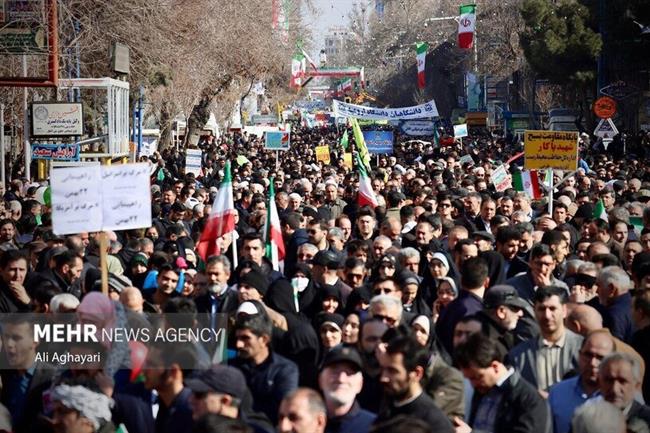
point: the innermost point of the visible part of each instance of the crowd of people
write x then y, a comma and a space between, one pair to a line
449, 307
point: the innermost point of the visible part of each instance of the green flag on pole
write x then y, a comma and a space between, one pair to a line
345, 140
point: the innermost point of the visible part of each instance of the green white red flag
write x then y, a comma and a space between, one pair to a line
274, 244
528, 182
421, 49
298, 69
466, 26
221, 220
366, 196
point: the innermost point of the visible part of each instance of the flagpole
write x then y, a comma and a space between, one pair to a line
235, 258
550, 194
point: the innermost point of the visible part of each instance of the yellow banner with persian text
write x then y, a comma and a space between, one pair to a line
323, 154
550, 149
347, 160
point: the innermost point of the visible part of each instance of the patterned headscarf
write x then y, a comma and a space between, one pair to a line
92, 405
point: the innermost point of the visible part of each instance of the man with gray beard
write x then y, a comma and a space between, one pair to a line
340, 380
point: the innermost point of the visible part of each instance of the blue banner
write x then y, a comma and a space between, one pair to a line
277, 140
56, 152
379, 142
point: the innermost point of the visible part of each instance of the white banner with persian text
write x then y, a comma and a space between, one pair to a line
95, 198
422, 111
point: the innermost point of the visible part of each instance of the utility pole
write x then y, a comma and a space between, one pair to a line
602, 10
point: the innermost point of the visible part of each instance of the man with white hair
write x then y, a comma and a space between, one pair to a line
598, 417
521, 202
615, 301
619, 380
341, 380
387, 309
295, 201
380, 245
64, 303
306, 186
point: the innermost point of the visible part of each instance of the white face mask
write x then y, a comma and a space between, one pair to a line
299, 284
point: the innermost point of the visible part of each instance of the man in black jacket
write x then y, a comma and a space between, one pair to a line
13, 269
508, 239
403, 362
269, 376
519, 407
24, 376
503, 308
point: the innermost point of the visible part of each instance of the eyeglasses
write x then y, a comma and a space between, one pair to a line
387, 320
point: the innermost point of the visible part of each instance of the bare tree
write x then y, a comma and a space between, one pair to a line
192, 56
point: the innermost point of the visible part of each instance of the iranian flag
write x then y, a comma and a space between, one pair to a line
600, 212
274, 245
421, 49
528, 182
366, 196
297, 69
466, 25
346, 85
221, 220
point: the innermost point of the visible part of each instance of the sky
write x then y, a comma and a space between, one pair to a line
328, 13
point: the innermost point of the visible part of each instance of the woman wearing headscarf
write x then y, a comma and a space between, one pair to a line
97, 309
350, 329
412, 299
387, 266
79, 409
294, 298
330, 299
439, 375
446, 292
438, 267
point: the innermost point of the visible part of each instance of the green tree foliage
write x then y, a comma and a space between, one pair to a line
557, 41
624, 45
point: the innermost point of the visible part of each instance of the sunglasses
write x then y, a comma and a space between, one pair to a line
382, 291
387, 320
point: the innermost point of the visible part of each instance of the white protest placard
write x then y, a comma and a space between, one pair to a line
418, 127
126, 196
460, 131
98, 198
193, 159
500, 179
76, 199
